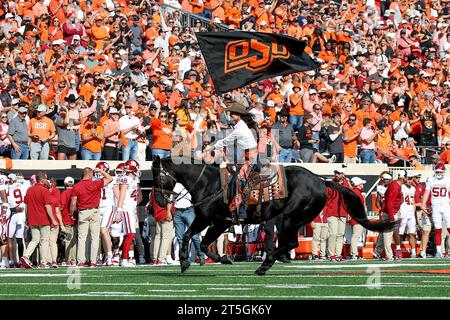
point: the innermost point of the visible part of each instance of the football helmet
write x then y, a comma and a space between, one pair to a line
439, 170
102, 166
132, 169
133, 163
20, 177
120, 169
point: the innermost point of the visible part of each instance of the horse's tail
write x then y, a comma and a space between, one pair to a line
355, 208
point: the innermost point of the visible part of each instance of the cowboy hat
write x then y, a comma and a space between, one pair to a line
236, 108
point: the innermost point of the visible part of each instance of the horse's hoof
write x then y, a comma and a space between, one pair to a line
225, 260
184, 266
260, 272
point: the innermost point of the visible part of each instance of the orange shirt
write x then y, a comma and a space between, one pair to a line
59, 13
350, 148
445, 157
162, 135
43, 127
296, 109
94, 145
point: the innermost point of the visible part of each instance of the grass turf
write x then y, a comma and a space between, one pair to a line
367, 279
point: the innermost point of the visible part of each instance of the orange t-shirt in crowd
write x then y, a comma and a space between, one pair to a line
43, 127
93, 145
445, 157
162, 135
350, 148
297, 108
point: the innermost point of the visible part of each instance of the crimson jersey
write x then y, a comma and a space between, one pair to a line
439, 191
130, 200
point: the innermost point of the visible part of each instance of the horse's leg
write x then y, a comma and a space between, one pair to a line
212, 234
197, 226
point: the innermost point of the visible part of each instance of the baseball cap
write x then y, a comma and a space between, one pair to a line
113, 110
139, 93
41, 108
58, 42
158, 70
356, 181
12, 176
23, 109
9, 15
341, 91
76, 37
69, 181
312, 91
270, 103
410, 174
338, 170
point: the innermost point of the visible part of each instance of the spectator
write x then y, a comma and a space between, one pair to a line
130, 127
112, 133
350, 140
286, 137
162, 134
5, 144
92, 139
40, 220
367, 138
66, 135
336, 145
306, 139
41, 130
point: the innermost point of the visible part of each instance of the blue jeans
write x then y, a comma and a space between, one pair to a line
89, 155
285, 155
296, 121
161, 153
130, 152
367, 156
181, 221
22, 154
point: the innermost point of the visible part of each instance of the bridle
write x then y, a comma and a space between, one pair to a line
163, 174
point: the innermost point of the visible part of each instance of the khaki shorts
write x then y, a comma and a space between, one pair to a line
424, 221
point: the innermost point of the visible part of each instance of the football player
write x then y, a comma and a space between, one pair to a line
129, 196
108, 201
438, 187
17, 189
407, 212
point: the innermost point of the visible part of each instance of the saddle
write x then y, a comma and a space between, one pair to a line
260, 187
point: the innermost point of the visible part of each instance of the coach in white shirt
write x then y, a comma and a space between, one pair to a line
130, 126
183, 217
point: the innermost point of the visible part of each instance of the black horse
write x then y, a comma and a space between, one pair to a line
306, 198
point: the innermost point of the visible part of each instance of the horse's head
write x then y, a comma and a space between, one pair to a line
163, 181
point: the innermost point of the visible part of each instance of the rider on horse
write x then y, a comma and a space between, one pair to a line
246, 147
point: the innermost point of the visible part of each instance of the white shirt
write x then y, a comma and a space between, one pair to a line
242, 134
184, 65
127, 122
401, 133
184, 198
258, 115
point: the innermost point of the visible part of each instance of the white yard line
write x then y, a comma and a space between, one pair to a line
393, 265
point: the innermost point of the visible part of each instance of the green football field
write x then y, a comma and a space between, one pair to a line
367, 279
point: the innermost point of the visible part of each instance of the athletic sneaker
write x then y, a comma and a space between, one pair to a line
142, 260
389, 259
54, 264
315, 257
127, 264
438, 255
399, 255
423, 254
333, 158
354, 258
44, 266
26, 262
412, 256
333, 259
115, 261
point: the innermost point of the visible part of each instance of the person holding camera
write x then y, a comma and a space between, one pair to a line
130, 126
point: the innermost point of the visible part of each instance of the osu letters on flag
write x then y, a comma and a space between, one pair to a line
236, 59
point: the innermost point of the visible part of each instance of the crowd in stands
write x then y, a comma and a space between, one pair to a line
126, 79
